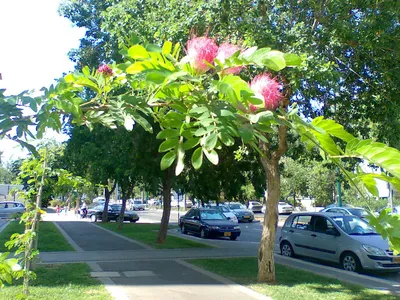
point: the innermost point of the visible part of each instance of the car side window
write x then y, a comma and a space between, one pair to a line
301, 222
189, 214
197, 214
2, 205
323, 225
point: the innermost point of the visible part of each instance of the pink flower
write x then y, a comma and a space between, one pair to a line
225, 51
268, 89
199, 50
105, 70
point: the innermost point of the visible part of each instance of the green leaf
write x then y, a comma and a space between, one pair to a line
292, 60
197, 158
86, 71
157, 76
138, 52
190, 143
167, 160
226, 113
198, 110
264, 116
275, 63
246, 133
212, 156
168, 145
226, 138
167, 134
30, 147
211, 141
142, 121
202, 131
167, 48
153, 48
332, 128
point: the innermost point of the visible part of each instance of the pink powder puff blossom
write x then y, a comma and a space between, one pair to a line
200, 49
268, 89
225, 51
105, 70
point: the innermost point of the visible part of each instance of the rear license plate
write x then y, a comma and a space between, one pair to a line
246, 217
227, 234
396, 259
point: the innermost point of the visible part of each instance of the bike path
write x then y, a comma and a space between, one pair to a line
90, 237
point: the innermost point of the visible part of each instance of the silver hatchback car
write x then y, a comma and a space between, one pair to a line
10, 208
339, 238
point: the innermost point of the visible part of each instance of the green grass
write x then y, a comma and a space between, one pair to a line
292, 284
147, 234
69, 281
50, 238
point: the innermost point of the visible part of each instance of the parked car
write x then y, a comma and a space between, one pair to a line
225, 211
355, 211
282, 208
208, 222
114, 210
10, 208
344, 239
137, 204
241, 212
255, 206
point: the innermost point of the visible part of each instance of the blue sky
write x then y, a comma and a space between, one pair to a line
34, 44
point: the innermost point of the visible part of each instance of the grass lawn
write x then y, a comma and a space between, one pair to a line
292, 284
50, 238
147, 234
68, 281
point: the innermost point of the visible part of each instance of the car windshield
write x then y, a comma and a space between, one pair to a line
236, 206
223, 208
256, 203
137, 202
116, 207
211, 215
358, 212
354, 226
283, 203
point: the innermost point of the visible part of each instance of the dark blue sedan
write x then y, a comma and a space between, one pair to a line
208, 223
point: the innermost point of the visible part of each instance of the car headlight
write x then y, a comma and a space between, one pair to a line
374, 250
214, 227
236, 227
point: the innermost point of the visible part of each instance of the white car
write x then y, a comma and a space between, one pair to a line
255, 206
137, 205
226, 212
283, 208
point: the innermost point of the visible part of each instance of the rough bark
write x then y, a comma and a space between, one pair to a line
167, 186
107, 194
270, 162
121, 214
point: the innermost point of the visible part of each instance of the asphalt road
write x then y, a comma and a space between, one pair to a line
251, 234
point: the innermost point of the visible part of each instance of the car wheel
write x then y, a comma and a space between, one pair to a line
184, 230
203, 233
93, 218
286, 249
350, 262
233, 238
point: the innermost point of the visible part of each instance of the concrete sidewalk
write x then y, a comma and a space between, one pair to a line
132, 271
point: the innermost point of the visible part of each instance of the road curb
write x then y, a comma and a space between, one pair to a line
4, 226
147, 247
339, 274
224, 280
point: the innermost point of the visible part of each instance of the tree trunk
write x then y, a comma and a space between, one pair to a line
266, 265
167, 186
107, 194
121, 214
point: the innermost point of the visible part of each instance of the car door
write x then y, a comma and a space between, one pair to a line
299, 234
324, 242
188, 220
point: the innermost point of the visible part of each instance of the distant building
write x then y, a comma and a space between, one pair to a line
5, 192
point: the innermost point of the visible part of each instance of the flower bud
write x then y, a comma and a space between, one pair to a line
105, 70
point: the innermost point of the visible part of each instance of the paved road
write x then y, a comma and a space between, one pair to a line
251, 235
2, 222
